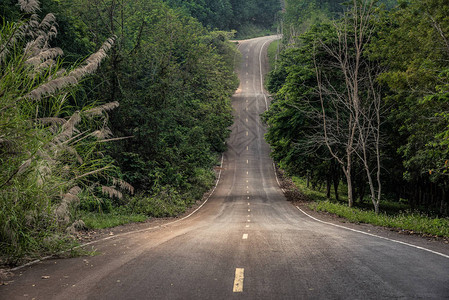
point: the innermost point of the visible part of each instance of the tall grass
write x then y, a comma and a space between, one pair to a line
49, 150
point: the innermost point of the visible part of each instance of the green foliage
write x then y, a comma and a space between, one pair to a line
174, 81
248, 18
413, 47
410, 48
166, 202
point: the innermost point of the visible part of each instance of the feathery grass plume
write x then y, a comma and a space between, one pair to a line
102, 134
72, 151
93, 61
111, 192
24, 166
78, 225
52, 87
29, 6
48, 24
51, 121
123, 185
68, 128
99, 110
71, 197
43, 56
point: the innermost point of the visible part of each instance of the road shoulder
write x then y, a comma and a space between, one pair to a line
296, 198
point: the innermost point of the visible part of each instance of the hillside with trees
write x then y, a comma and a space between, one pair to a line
247, 18
361, 100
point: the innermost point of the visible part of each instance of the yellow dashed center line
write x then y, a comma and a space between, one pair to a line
245, 236
238, 281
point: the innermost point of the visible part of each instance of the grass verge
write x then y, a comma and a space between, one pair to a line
413, 222
272, 51
393, 215
107, 220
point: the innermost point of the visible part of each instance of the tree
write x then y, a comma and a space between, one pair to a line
412, 46
355, 101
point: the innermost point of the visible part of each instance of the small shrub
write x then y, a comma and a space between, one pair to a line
165, 203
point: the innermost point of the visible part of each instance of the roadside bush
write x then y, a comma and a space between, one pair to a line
164, 203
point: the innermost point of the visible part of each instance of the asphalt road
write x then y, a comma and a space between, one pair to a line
247, 241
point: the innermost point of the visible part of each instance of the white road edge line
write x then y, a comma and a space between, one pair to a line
131, 232
373, 235
276, 176
261, 74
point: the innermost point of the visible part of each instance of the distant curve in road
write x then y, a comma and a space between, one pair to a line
247, 241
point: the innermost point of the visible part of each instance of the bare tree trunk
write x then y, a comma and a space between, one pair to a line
359, 134
328, 186
336, 184
349, 183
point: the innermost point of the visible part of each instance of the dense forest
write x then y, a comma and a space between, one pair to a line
246, 17
361, 97
110, 107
